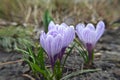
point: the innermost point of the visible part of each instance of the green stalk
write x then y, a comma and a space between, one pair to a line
68, 53
78, 73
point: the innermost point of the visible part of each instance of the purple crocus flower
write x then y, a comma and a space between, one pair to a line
56, 40
66, 31
89, 35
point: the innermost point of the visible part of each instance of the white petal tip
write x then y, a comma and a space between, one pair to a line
72, 26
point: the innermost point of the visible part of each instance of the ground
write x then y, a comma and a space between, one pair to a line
107, 50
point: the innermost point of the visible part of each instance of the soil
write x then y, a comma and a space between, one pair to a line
107, 59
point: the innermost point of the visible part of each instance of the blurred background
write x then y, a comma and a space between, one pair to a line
21, 21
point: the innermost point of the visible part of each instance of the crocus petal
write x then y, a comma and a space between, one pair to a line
52, 32
48, 44
90, 26
100, 29
61, 28
42, 39
64, 24
79, 28
56, 45
51, 25
69, 35
89, 37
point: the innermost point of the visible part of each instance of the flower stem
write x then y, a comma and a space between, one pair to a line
90, 54
90, 57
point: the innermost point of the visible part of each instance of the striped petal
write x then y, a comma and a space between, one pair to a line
79, 29
56, 45
64, 24
48, 44
80, 26
89, 37
100, 29
69, 35
90, 26
42, 39
51, 25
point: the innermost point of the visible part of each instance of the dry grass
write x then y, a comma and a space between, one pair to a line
31, 11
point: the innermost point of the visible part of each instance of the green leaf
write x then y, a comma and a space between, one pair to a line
68, 53
30, 65
57, 70
32, 55
21, 50
37, 68
78, 72
40, 58
82, 51
46, 20
83, 54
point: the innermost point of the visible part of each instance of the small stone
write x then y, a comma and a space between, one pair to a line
97, 55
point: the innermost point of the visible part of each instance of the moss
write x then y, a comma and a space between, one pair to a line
12, 37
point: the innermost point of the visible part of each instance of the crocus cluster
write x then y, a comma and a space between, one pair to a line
89, 35
56, 40
58, 37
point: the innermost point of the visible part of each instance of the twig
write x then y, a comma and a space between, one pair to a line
10, 62
30, 77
